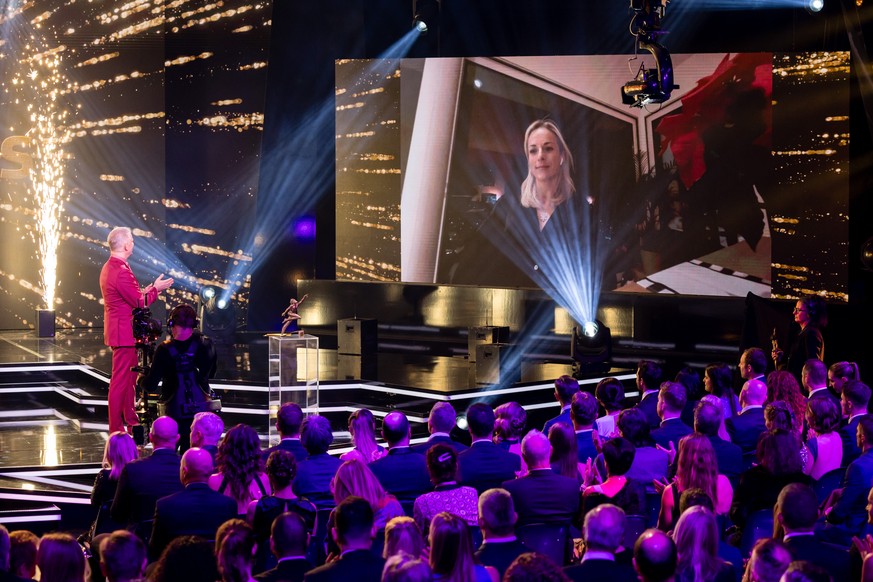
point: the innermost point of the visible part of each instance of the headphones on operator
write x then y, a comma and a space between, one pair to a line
184, 315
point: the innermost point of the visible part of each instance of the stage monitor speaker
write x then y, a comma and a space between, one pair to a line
357, 367
45, 323
493, 366
356, 336
489, 334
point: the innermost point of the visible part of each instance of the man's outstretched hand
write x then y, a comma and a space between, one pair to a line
161, 284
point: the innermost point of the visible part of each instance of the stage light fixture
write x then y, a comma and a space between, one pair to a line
867, 254
815, 5
650, 85
426, 15
591, 350
207, 292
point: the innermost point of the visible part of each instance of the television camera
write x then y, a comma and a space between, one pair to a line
650, 85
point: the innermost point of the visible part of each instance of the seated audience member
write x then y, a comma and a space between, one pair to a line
722, 430
485, 465
671, 403
707, 419
619, 488
768, 561
289, 421
510, 420
405, 568
727, 552
281, 471
696, 536
447, 494
239, 473
451, 551
534, 567
440, 423
122, 557
718, 380
362, 427
401, 472
696, 468
649, 377
745, 428
583, 413
7, 571
825, 445
289, 538
796, 513
60, 558
235, 550
847, 514
23, 545
814, 379
542, 496
778, 415
690, 379
196, 510
805, 571
655, 556
778, 465
603, 534
353, 533
120, 449
841, 373
188, 558
565, 387
854, 400
402, 536
564, 459
782, 385
144, 481
206, 431
649, 462
316, 472
497, 520
610, 395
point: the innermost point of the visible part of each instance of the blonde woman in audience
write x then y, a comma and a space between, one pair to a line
60, 559
696, 537
356, 478
405, 568
362, 427
120, 449
510, 420
451, 552
402, 536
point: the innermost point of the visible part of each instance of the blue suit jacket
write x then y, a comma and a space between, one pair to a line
403, 473
585, 446
649, 406
745, 428
671, 431
359, 565
313, 479
196, 510
142, 483
563, 417
486, 465
729, 457
850, 509
849, 436
543, 496
293, 446
422, 448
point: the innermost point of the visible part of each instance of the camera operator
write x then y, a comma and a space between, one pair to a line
184, 362
121, 295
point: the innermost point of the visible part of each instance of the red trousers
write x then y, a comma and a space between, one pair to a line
122, 391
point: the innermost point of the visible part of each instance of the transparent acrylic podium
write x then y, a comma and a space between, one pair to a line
293, 374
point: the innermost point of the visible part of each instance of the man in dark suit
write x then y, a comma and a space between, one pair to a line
854, 401
565, 387
497, 520
206, 430
144, 481
485, 465
583, 413
745, 428
196, 510
648, 383
542, 496
316, 472
289, 419
121, 294
353, 532
288, 541
440, 423
753, 364
707, 420
797, 512
671, 402
122, 557
814, 378
603, 532
848, 514
402, 472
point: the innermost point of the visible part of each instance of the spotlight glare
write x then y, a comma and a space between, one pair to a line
420, 26
222, 303
815, 5
590, 329
207, 293
461, 421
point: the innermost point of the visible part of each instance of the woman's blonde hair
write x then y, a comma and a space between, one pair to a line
451, 549
696, 537
566, 187
402, 535
120, 450
362, 426
355, 478
697, 467
60, 559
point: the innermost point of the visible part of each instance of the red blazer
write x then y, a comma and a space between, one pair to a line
121, 294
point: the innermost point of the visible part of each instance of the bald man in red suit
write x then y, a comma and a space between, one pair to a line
121, 294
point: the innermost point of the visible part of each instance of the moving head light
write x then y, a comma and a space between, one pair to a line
650, 85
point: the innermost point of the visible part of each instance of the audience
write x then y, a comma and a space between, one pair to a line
619, 488
451, 551
727, 552
289, 421
649, 376
696, 536
804, 571
188, 559
768, 561
655, 557
847, 513
745, 428
353, 532
729, 457
206, 431
671, 403
782, 385
778, 415
718, 380
235, 550
485, 465
405, 568
402, 536
440, 423
289, 538
23, 545
8, 571
122, 557
120, 449
814, 378
854, 400
824, 443
316, 472
239, 473
510, 421
401, 472
649, 462
60, 559
564, 459
753, 364
447, 494
565, 387
497, 519
583, 413
840, 373
689, 378
534, 567
362, 427
603, 533
610, 395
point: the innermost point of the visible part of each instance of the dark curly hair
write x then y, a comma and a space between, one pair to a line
281, 469
189, 558
442, 463
239, 459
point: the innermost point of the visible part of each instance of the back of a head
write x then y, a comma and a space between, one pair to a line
188, 558
395, 428
755, 392
510, 419
60, 558
815, 371
196, 465
655, 556
693, 497
354, 520
315, 434
122, 556
798, 506
618, 454
480, 420
22, 553
442, 463
757, 359
289, 419
119, 451
451, 550
402, 535
804, 571
696, 538
779, 452
281, 469
673, 396
858, 394
497, 512
289, 535
610, 394
816, 309
633, 425
442, 417
603, 528
720, 377
778, 415
707, 418
583, 409
5, 545
690, 378
164, 432
210, 425
355, 478
769, 560
536, 449
823, 415
565, 387
650, 373
534, 567
404, 567
234, 549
